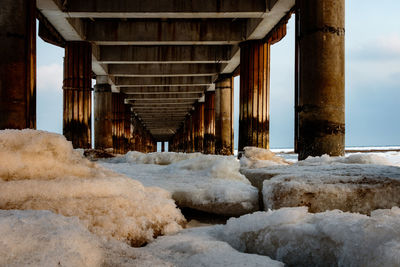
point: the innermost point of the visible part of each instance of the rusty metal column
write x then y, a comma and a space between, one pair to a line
224, 115
322, 78
209, 123
254, 94
102, 114
77, 93
18, 64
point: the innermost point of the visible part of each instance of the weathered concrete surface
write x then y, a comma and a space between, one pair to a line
102, 114
77, 93
209, 123
321, 108
224, 115
254, 94
164, 36
164, 70
18, 64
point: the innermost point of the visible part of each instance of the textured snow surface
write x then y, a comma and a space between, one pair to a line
357, 183
332, 238
204, 182
41, 171
255, 157
42, 238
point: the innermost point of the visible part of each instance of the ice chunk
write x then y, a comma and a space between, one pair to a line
41, 171
255, 157
204, 182
332, 238
326, 184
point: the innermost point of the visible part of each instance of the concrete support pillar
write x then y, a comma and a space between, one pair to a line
77, 93
224, 115
321, 109
102, 114
127, 128
18, 64
162, 146
199, 127
209, 123
254, 94
118, 108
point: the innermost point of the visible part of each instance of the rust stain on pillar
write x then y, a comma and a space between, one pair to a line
103, 116
254, 94
321, 108
209, 123
77, 93
118, 107
199, 127
127, 128
18, 64
224, 115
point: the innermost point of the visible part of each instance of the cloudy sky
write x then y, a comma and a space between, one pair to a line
372, 79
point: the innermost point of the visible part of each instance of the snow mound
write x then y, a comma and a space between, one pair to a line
332, 238
42, 238
255, 157
159, 158
208, 183
41, 171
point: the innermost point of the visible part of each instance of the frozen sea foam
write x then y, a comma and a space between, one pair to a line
208, 183
42, 238
42, 171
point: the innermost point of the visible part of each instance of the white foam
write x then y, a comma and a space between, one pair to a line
205, 182
41, 171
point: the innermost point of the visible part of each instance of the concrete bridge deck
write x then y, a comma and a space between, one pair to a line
163, 55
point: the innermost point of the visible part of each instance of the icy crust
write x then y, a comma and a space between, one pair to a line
255, 157
42, 238
332, 238
346, 183
41, 171
204, 182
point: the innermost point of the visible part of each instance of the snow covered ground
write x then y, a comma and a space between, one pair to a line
204, 182
57, 208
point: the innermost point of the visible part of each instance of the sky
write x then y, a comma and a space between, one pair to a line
372, 79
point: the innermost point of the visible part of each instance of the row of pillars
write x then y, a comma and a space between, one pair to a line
319, 88
114, 123
209, 127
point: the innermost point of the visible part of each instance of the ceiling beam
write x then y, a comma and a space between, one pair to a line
165, 54
163, 81
170, 31
165, 8
164, 70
